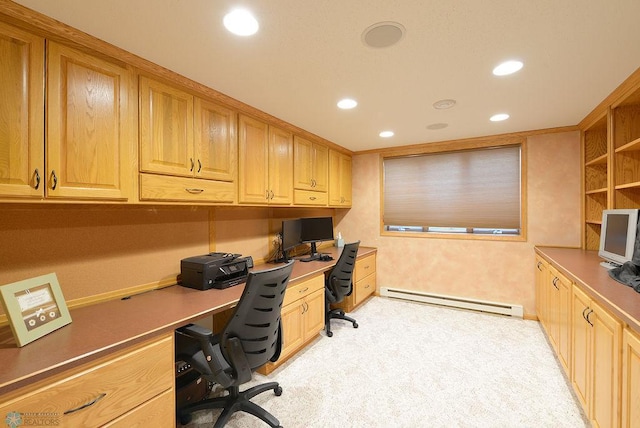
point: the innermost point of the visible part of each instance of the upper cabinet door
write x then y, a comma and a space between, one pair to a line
320, 167
253, 177
216, 143
310, 165
21, 113
166, 129
90, 143
280, 166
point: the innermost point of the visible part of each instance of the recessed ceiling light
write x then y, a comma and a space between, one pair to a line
435, 126
347, 103
507, 67
499, 117
386, 134
241, 22
444, 104
383, 34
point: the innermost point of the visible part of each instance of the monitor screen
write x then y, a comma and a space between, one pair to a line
316, 229
618, 235
290, 234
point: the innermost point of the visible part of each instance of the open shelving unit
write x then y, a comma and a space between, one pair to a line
611, 156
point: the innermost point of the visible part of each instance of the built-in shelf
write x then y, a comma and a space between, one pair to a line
628, 185
630, 147
596, 191
600, 160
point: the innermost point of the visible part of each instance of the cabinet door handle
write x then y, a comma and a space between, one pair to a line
538, 266
192, 164
587, 317
54, 178
266, 194
271, 195
194, 191
37, 174
84, 406
199, 165
555, 280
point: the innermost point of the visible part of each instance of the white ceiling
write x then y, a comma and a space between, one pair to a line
308, 54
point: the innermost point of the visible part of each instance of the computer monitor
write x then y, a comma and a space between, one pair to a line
290, 236
314, 230
618, 236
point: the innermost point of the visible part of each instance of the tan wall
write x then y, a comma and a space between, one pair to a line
96, 249
488, 270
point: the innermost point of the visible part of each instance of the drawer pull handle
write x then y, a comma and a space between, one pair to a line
194, 191
84, 406
304, 290
313, 198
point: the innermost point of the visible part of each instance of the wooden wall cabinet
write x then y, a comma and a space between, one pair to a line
22, 172
339, 179
310, 172
84, 159
133, 385
302, 318
630, 379
595, 374
265, 163
89, 159
188, 144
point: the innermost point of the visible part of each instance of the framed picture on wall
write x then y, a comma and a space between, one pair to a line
35, 307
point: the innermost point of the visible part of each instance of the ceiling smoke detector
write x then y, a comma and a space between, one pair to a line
444, 104
383, 34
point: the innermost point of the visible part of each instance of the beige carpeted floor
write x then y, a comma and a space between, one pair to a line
416, 365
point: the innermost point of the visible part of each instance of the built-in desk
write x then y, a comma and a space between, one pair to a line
593, 325
123, 330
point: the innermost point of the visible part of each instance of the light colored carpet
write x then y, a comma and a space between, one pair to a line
416, 365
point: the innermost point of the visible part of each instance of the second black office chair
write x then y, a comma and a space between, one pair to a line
339, 284
251, 338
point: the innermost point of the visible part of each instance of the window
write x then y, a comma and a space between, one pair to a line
476, 191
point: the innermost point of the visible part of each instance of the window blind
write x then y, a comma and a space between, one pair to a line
477, 188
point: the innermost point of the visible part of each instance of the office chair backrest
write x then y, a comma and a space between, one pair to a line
339, 282
255, 323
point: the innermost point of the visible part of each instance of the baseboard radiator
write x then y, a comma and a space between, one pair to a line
454, 302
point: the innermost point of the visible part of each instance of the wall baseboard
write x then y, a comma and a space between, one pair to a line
454, 302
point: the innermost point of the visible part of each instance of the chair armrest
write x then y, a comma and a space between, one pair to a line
207, 361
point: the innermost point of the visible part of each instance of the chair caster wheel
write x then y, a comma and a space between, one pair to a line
330, 334
278, 391
185, 419
355, 325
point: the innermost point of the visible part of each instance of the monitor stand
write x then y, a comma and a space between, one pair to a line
314, 254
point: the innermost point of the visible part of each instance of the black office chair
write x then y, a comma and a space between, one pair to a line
339, 284
251, 338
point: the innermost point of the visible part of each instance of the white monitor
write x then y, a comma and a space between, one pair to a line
618, 235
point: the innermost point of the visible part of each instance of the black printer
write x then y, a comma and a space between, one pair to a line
214, 270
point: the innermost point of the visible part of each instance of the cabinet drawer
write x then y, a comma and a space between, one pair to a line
167, 188
365, 266
364, 288
157, 412
297, 291
115, 385
309, 197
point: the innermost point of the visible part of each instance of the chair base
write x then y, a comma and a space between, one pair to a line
235, 401
336, 314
